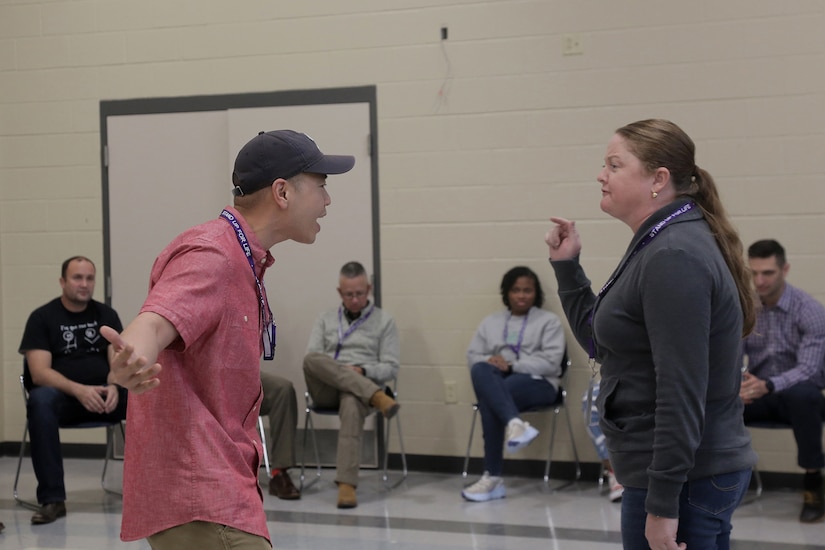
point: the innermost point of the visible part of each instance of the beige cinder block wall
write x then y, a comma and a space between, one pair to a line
482, 137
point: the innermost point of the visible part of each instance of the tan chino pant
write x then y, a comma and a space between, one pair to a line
205, 535
281, 406
332, 386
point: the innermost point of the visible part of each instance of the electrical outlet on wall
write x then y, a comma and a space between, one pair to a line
571, 44
450, 392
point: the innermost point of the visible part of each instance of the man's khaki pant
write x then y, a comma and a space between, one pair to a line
204, 535
281, 406
332, 386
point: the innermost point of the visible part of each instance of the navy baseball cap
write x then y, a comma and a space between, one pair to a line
282, 154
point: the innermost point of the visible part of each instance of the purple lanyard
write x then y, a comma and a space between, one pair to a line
268, 336
517, 348
343, 335
652, 234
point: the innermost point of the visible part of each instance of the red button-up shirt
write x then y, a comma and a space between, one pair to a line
192, 448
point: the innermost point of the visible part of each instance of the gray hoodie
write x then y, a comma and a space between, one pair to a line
667, 335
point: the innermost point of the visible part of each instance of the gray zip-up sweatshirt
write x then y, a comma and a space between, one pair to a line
667, 335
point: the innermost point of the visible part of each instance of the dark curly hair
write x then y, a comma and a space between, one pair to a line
510, 279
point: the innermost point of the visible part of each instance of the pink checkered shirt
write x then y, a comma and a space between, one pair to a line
192, 449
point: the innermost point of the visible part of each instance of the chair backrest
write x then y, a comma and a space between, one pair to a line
561, 396
24, 389
565, 365
26, 378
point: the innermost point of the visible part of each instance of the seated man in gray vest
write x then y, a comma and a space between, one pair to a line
353, 351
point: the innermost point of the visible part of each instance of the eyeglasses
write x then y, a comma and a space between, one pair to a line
351, 295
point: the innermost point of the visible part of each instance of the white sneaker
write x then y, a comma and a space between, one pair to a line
616, 490
487, 488
519, 434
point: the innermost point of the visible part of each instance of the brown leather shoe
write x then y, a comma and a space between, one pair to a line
384, 403
346, 496
49, 512
813, 507
281, 486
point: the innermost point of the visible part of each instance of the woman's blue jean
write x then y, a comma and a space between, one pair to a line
705, 509
501, 397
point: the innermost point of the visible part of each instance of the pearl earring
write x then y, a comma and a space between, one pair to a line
655, 194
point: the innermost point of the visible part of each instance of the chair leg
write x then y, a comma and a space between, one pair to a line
386, 475
20, 501
304, 451
309, 427
110, 451
401, 446
573, 444
758, 479
470, 442
263, 445
556, 412
550, 450
757, 492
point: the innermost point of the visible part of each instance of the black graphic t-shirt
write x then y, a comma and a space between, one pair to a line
78, 350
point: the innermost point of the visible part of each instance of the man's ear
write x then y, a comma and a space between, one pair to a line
279, 192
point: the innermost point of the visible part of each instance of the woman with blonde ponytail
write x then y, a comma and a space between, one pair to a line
666, 329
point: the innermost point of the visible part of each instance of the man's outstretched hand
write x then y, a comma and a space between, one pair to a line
129, 371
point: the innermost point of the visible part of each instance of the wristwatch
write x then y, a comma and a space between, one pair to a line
769, 385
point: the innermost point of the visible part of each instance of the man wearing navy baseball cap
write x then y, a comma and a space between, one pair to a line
193, 437
282, 154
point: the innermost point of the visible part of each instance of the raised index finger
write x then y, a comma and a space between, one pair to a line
561, 221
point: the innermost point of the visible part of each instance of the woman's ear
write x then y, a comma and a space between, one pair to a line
661, 177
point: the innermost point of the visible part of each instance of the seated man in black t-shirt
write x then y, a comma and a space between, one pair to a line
68, 377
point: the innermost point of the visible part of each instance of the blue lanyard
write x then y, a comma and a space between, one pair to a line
267, 322
517, 348
343, 335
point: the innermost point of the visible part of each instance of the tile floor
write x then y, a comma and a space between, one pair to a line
425, 511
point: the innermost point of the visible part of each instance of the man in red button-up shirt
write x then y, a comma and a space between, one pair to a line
193, 453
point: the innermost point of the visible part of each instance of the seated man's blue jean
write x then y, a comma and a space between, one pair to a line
705, 509
48, 410
501, 397
800, 406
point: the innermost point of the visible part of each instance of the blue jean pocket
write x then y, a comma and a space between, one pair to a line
718, 493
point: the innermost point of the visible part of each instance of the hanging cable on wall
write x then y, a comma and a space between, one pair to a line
442, 96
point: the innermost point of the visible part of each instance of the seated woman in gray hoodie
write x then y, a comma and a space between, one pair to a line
515, 365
